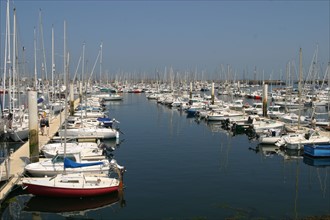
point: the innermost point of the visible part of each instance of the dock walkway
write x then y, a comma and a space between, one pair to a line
20, 157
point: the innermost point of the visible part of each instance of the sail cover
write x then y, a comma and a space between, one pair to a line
107, 122
71, 164
104, 119
40, 100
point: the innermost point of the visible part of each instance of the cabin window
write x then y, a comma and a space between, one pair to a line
69, 181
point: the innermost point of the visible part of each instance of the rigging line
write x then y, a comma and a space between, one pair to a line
75, 74
94, 67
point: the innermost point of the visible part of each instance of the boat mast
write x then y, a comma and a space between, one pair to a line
35, 61
82, 72
44, 64
66, 91
53, 63
328, 71
7, 53
14, 59
299, 86
101, 57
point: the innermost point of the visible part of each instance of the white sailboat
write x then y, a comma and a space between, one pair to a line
73, 164
298, 140
274, 111
89, 113
293, 119
93, 132
223, 115
71, 185
18, 129
85, 149
264, 125
113, 97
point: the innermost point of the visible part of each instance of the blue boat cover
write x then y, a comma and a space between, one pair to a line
104, 119
40, 100
71, 164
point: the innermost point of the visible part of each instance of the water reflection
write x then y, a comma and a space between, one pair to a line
215, 126
113, 143
319, 168
73, 206
66, 207
268, 150
316, 162
289, 154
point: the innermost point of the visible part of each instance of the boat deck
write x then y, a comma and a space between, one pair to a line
294, 128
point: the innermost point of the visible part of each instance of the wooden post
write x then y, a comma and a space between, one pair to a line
33, 126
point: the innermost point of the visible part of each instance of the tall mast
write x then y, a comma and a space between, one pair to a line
35, 61
64, 55
66, 92
83, 66
53, 63
43, 46
7, 51
299, 85
101, 57
14, 58
9, 61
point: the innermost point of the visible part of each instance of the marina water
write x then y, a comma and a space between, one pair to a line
180, 168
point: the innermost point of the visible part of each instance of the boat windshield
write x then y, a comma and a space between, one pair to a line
59, 158
273, 109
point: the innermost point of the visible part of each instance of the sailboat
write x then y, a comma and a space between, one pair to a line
18, 128
72, 185
73, 163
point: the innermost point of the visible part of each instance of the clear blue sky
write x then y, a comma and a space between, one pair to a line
141, 36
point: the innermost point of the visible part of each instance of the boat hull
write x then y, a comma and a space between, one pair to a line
317, 150
19, 135
297, 145
68, 192
112, 98
269, 140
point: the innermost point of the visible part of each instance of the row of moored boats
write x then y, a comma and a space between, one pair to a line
79, 161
